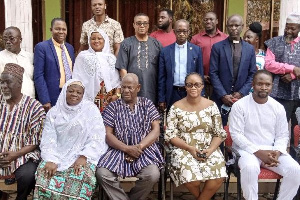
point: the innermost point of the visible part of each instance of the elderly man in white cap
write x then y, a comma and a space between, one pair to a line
283, 60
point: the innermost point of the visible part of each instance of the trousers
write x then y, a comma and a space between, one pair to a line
147, 177
25, 176
288, 168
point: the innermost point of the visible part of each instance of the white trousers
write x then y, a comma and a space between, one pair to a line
288, 168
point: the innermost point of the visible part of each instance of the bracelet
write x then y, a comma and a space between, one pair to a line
118, 95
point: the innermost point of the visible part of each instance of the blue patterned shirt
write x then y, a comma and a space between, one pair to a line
130, 127
285, 53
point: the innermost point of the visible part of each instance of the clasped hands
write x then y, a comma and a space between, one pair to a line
229, 99
133, 152
268, 157
196, 152
7, 157
50, 168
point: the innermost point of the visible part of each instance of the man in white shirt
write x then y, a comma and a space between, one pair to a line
259, 131
13, 53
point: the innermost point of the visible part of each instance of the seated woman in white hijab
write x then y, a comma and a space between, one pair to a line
72, 142
95, 67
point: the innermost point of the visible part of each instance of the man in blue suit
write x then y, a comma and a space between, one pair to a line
175, 62
232, 66
53, 62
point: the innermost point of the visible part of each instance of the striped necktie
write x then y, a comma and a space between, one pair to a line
67, 69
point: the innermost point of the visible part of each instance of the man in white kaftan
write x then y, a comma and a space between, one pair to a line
259, 131
13, 53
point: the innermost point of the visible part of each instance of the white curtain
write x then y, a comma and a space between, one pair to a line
286, 8
19, 13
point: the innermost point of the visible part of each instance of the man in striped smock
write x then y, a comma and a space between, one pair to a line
132, 127
21, 124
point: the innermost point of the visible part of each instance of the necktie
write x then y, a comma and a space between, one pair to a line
67, 69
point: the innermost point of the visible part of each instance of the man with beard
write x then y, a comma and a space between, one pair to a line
13, 53
100, 20
283, 60
206, 39
232, 66
165, 34
176, 61
21, 126
260, 134
139, 55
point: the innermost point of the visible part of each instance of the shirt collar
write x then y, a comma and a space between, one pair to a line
203, 33
105, 20
56, 43
296, 40
21, 53
181, 46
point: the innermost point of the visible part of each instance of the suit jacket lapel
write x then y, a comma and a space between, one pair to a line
243, 57
228, 53
51, 44
190, 58
172, 56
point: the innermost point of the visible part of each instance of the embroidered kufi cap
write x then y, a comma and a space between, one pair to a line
293, 18
15, 70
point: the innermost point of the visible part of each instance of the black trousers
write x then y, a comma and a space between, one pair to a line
25, 179
290, 107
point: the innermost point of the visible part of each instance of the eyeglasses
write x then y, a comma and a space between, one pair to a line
196, 85
130, 88
233, 26
181, 31
11, 39
142, 23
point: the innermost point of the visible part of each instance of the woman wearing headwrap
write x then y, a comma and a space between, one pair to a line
95, 67
72, 142
252, 36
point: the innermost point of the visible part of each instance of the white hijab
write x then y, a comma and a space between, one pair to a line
71, 131
91, 68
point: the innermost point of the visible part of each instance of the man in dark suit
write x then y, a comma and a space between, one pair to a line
175, 62
53, 62
232, 66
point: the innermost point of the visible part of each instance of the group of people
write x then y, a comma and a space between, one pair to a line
68, 123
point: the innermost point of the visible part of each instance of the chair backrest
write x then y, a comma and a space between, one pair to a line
296, 135
228, 140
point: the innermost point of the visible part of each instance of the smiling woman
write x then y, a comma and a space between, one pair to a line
72, 142
74, 93
95, 68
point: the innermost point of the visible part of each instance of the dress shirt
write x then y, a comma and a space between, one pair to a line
58, 50
180, 64
277, 67
206, 42
25, 60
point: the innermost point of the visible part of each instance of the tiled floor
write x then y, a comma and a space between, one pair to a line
180, 196
219, 196
176, 196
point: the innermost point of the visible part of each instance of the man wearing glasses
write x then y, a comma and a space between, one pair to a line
13, 53
175, 62
139, 55
232, 66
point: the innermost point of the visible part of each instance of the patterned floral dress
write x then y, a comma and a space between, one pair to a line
196, 129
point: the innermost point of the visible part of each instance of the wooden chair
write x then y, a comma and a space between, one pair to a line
233, 168
295, 151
